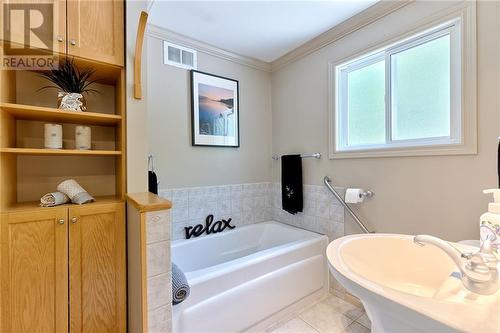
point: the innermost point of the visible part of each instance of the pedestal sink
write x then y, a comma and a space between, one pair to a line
407, 288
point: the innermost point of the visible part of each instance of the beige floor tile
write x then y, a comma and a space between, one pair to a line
324, 318
356, 328
281, 322
365, 321
345, 308
295, 325
352, 299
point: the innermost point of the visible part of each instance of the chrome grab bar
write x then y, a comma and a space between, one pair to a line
327, 180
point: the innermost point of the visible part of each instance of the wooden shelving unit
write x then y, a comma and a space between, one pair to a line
35, 205
51, 152
30, 112
23, 106
63, 269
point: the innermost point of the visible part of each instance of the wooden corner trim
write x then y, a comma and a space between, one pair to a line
148, 202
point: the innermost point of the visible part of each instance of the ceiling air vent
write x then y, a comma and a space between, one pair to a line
179, 56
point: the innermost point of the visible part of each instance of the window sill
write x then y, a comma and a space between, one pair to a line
406, 152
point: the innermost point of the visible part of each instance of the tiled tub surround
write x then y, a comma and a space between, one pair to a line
322, 212
159, 293
243, 203
253, 203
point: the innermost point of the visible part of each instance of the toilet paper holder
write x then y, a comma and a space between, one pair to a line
367, 194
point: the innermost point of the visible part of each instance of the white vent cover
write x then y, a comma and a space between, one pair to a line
179, 56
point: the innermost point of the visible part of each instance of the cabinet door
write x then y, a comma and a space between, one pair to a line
34, 271
96, 30
36, 33
97, 268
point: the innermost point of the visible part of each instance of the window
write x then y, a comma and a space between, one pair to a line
406, 96
179, 56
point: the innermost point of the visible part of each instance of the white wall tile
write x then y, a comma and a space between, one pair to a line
178, 231
159, 291
248, 203
158, 258
236, 205
179, 213
224, 206
157, 226
179, 196
159, 320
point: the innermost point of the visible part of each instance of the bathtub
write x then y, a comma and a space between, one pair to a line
244, 277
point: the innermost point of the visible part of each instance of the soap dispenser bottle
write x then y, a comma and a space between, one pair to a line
490, 223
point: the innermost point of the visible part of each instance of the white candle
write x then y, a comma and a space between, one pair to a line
82, 137
53, 136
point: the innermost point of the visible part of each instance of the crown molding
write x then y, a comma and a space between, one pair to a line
168, 35
356, 22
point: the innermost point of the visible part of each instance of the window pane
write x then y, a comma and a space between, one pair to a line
365, 104
187, 58
421, 91
174, 54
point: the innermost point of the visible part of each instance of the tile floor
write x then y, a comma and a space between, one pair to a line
330, 315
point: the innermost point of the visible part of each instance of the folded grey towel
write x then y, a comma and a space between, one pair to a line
180, 286
75, 192
54, 199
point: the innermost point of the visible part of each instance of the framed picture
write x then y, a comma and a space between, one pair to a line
215, 110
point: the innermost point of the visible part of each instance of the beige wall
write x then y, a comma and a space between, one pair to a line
137, 121
439, 195
177, 162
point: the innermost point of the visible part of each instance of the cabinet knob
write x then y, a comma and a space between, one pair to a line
74, 219
60, 39
72, 42
61, 221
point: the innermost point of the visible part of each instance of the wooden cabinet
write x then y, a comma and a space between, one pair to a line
96, 30
90, 29
97, 269
34, 272
45, 36
63, 269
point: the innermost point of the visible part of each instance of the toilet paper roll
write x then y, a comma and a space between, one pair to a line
354, 195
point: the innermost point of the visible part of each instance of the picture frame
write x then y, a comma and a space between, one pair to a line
215, 112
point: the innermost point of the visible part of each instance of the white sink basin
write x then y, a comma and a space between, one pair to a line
409, 288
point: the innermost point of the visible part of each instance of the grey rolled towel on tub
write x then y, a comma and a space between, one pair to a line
180, 286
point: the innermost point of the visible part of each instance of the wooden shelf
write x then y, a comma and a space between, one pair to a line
20, 206
29, 112
69, 152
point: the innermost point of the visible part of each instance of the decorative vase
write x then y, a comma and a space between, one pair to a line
82, 137
53, 136
71, 101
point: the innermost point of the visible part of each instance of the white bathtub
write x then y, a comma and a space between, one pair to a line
242, 277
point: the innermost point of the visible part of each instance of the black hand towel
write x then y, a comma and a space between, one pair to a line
291, 183
152, 182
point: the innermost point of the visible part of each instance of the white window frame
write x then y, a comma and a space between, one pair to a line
463, 131
166, 61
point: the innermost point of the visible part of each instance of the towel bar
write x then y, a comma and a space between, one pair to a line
315, 155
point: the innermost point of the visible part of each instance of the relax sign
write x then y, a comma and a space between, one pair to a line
208, 228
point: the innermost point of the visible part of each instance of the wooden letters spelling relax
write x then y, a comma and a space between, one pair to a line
208, 228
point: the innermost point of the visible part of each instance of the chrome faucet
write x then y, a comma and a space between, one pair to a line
479, 270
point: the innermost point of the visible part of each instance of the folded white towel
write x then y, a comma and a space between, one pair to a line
54, 199
75, 192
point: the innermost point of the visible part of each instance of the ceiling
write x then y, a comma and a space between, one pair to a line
264, 30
